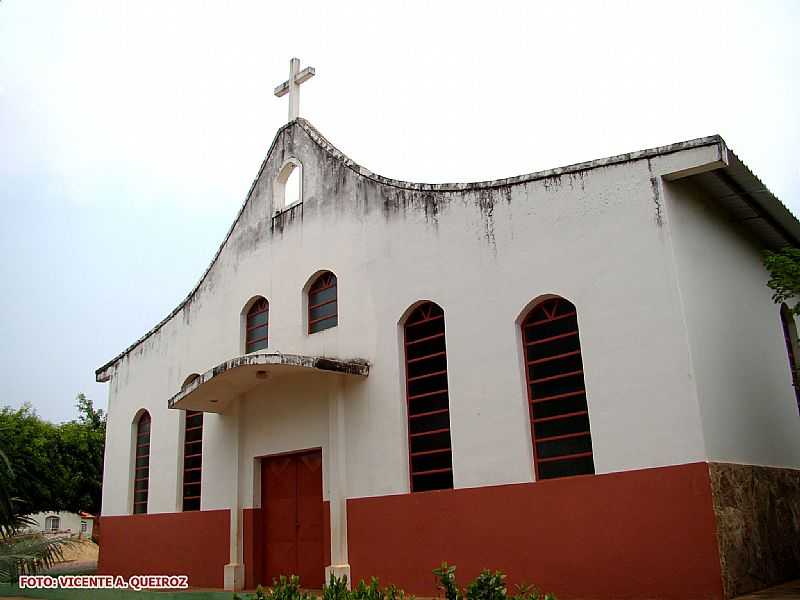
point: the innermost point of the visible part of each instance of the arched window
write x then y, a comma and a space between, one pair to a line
52, 524
141, 476
430, 456
257, 329
292, 189
790, 337
288, 186
192, 459
322, 305
562, 443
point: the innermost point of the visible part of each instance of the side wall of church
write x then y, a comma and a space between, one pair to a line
739, 359
750, 419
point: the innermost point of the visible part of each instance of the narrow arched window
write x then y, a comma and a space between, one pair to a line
141, 477
257, 330
562, 443
192, 459
790, 337
430, 455
322, 305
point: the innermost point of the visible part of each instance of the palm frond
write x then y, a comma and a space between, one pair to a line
28, 554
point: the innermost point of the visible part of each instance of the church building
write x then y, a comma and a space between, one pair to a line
577, 376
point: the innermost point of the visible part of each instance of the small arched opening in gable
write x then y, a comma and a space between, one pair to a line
288, 188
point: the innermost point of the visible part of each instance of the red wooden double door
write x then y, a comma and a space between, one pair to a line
291, 504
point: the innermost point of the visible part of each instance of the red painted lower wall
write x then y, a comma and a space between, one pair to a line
649, 533
192, 543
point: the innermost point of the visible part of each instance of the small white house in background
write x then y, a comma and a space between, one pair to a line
63, 523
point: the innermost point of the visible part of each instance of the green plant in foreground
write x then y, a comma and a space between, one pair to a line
336, 589
486, 586
447, 581
392, 592
367, 592
283, 588
528, 592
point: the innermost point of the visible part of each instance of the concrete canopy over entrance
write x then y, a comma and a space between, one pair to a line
214, 390
222, 389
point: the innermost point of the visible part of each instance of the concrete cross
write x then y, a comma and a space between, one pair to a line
292, 86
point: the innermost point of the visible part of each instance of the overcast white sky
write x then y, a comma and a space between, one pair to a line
130, 132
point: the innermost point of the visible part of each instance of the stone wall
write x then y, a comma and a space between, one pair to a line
758, 525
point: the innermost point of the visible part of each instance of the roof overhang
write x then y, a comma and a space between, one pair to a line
737, 191
214, 390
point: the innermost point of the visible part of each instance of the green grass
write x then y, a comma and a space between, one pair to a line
84, 594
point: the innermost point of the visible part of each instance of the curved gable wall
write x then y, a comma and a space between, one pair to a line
482, 252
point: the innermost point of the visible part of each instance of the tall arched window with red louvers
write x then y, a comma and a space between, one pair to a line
141, 472
558, 410
192, 459
430, 456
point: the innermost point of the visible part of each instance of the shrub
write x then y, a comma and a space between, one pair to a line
283, 588
367, 592
486, 586
529, 592
447, 581
336, 589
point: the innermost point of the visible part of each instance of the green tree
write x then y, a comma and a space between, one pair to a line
31, 445
784, 276
21, 551
63, 464
81, 446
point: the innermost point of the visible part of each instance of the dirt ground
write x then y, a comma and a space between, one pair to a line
82, 550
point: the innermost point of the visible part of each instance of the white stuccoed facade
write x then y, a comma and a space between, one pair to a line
682, 347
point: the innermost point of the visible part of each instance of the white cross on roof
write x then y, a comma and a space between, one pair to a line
292, 86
